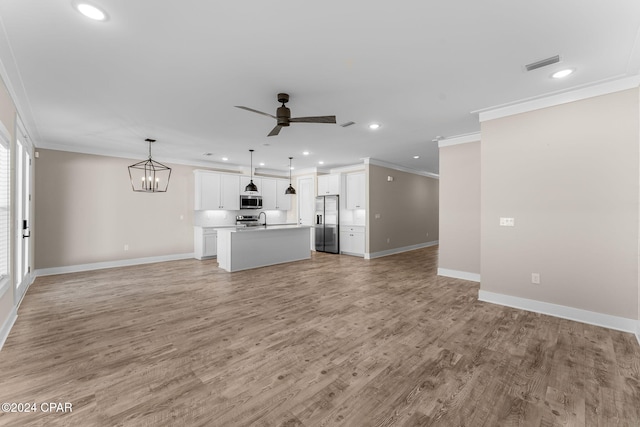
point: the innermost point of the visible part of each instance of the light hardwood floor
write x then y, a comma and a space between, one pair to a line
332, 341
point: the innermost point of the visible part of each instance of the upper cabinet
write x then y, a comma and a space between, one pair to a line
216, 191
356, 191
273, 197
328, 184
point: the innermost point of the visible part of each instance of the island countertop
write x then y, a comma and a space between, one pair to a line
270, 227
242, 248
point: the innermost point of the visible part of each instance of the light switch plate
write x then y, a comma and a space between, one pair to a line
507, 222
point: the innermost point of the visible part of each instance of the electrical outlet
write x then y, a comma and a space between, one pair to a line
377, 216
535, 278
388, 239
126, 247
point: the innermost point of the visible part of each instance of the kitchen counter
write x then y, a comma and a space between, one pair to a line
243, 248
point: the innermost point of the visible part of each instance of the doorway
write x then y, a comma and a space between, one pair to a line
22, 229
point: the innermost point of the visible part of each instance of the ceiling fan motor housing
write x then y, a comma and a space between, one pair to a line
283, 115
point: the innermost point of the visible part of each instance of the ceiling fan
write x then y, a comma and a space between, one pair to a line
283, 116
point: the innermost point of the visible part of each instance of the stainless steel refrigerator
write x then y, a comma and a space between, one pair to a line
327, 234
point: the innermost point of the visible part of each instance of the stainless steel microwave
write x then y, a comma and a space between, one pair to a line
250, 202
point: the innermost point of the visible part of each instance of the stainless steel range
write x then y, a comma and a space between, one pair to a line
247, 221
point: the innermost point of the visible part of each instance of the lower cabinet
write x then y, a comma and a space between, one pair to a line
352, 240
205, 242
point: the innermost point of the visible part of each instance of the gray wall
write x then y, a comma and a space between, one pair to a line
86, 211
569, 176
460, 208
408, 209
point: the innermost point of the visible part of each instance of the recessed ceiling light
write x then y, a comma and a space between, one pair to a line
562, 73
305, 153
91, 11
321, 162
416, 157
374, 126
261, 163
224, 159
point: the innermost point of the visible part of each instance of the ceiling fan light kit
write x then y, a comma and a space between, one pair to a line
283, 116
149, 176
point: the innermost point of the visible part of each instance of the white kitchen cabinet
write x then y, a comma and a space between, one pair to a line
273, 197
328, 184
245, 180
283, 201
269, 200
356, 191
205, 241
352, 240
216, 191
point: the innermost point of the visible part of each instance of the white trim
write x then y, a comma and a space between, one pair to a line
370, 161
137, 156
6, 327
460, 139
4, 132
562, 311
457, 274
638, 331
371, 255
358, 167
551, 100
110, 264
5, 284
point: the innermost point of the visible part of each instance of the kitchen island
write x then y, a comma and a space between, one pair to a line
252, 247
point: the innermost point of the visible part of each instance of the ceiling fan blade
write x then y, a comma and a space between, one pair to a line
255, 111
275, 130
318, 119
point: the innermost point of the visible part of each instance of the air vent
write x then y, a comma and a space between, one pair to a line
344, 125
542, 63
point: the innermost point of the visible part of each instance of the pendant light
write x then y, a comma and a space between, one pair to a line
149, 176
251, 186
290, 190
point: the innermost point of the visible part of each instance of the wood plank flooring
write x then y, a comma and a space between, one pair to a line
332, 341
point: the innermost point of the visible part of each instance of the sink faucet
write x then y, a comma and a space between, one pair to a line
265, 218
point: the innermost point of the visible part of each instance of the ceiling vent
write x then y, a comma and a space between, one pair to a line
344, 125
542, 63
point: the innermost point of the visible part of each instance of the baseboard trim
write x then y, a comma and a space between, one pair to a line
638, 332
399, 250
562, 311
6, 327
110, 264
456, 274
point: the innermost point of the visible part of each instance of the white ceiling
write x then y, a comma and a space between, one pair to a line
173, 71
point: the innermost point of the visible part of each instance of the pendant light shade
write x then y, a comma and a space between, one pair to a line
290, 190
149, 176
251, 186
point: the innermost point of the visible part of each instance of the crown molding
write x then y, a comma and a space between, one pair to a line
460, 139
9, 72
371, 161
351, 168
134, 156
558, 98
